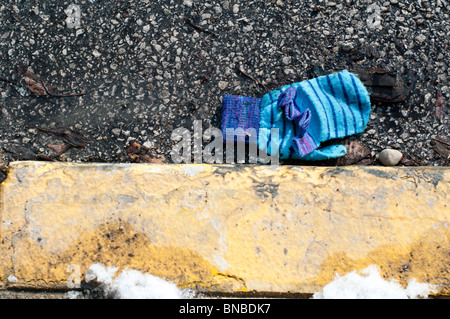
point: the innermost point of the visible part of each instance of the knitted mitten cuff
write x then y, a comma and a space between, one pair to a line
240, 112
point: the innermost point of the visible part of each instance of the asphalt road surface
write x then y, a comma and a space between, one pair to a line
146, 68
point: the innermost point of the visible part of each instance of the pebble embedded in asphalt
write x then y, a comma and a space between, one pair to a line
390, 157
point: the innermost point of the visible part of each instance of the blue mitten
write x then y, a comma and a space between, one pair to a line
306, 114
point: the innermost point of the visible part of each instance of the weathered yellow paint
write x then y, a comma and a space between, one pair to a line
222, 227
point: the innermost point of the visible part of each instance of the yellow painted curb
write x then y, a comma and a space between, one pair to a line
222, 227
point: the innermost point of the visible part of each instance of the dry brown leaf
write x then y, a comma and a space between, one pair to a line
36, 85
134, 157
138, 154
58, 148
135, 147
357, 154
33, 81
440, 106
73, 138
442, 146
409, 161
19, 152
384, 86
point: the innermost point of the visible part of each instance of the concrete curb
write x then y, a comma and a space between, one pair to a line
223, 228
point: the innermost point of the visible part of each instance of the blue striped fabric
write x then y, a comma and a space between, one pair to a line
339, 104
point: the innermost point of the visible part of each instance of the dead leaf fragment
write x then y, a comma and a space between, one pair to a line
58, 148
19, 152
27, 79
134, 148
384, 86
139, 154
357, 154
32, 81
442, 146
407, 160
440, 106
73, 138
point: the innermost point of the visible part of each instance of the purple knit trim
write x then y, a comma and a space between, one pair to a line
304, 143
286, 101
240, 112
302, 122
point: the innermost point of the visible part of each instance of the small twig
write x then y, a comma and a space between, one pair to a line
6, 80
440, 106
49, 91
16, 17
251, 77
74, 139
198, 28
36, 85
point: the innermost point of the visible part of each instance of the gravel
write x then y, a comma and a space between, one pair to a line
146, 71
